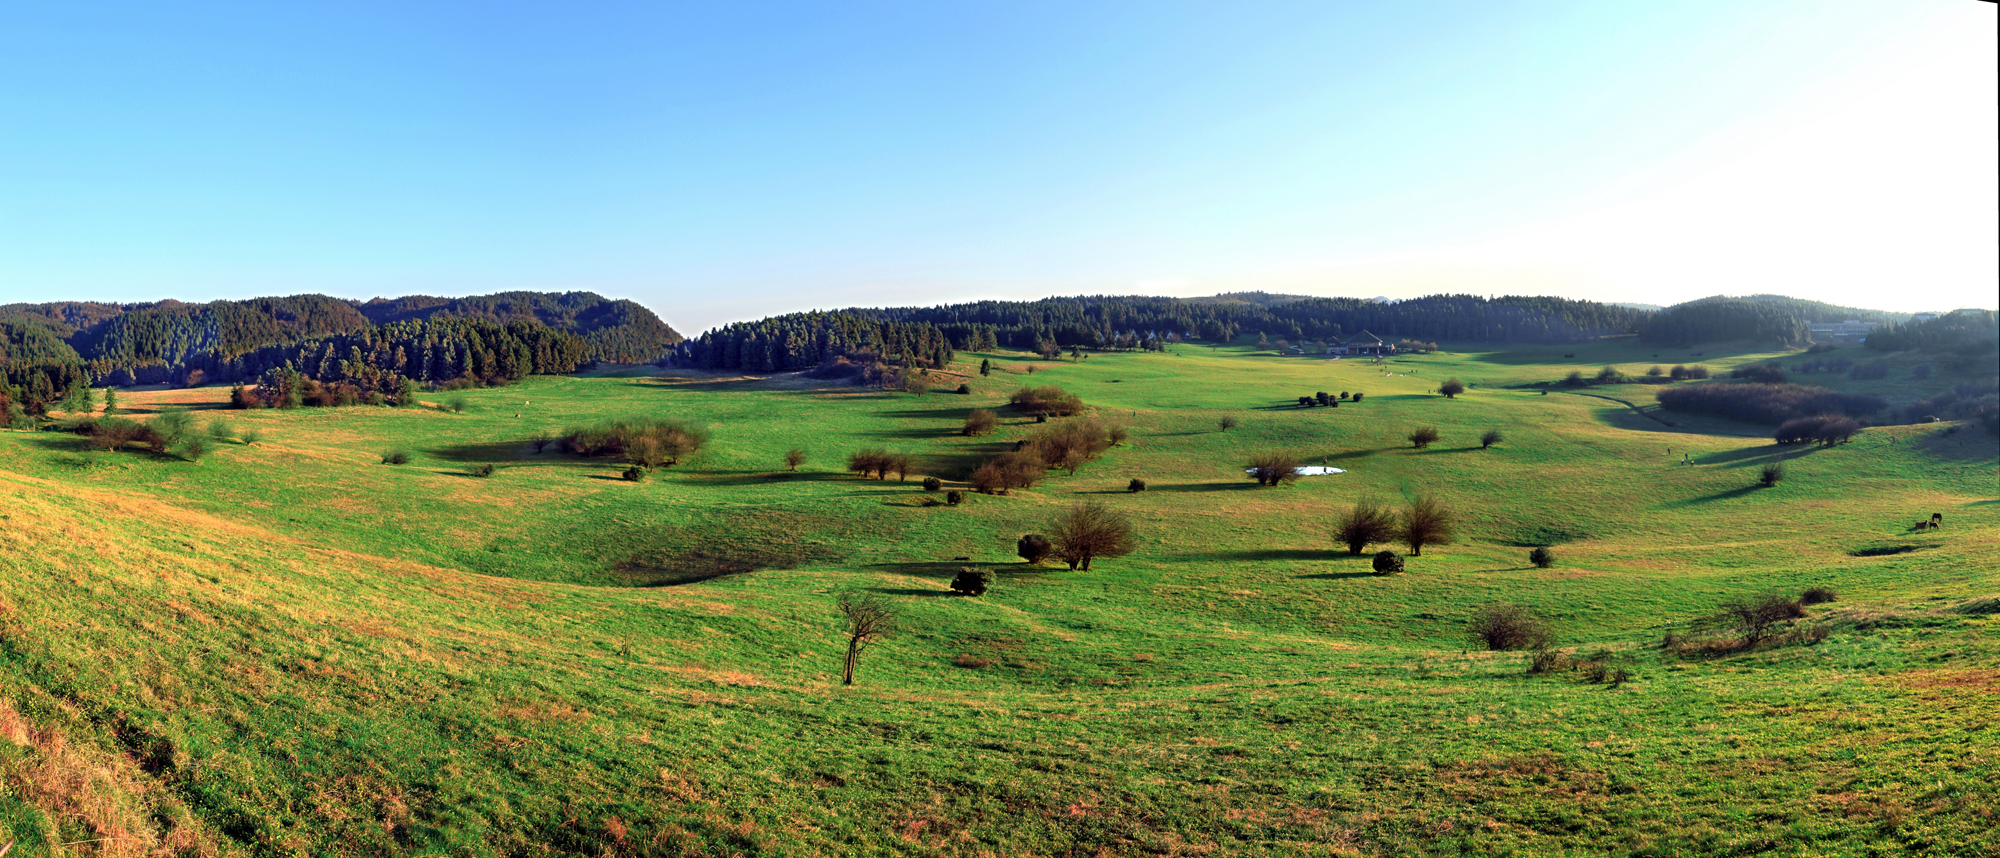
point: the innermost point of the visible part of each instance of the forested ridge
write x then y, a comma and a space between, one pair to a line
46, 349
926, 335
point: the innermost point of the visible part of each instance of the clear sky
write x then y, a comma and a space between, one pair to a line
731, 160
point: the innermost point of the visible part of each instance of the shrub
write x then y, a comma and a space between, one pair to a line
1491, 438
972, 582
1817, 596
484, 470
954, 497
239, 397
1574, 379
173, 425
985, 366
932, 484
1771, 475
674, 439
1356, 397
1226, 423
1654, 372
396, 457
1549, 661
456, 404
1761, 373
980, 421
794, 458
194, 448
1503, 626
1273, 468
1070, 444
635, 474
220, 430
915, 384
1363, 524
1045, 401
1825, 429
1756, 617
250, 436
964, 390
1424, 436
1609, 375
1387, 563
1451, 388
1427, 522
1034, 548
1136, 485
1116, 434
1542, 557
1088, 531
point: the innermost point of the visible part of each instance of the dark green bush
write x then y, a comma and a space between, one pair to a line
396, 457
485, 470
954, 497
635, 474
1501, 626
1387, 563
1136, 485
932, 484
972, 581
1542, 557
1034, 548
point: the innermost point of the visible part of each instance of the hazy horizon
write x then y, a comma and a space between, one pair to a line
718, 165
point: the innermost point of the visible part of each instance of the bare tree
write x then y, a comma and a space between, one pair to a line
1273, 468
1091, 530
1451, 388
794, 458
1365, 523
1427, 522
870, 617
1424, 436
1491, 438
1226, 423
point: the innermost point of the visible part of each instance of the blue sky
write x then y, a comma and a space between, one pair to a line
729, 161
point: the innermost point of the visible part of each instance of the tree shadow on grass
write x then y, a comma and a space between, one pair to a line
916, 434
1757, 455
1359, 454
1262, 554
758, 478
1205, 487
490, 451
910, 591
1335, 576
1723, 495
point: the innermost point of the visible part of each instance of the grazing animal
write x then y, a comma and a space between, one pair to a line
1921, 524
1937, 519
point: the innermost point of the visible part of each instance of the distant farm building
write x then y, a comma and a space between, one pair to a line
1363, 343
1851, 330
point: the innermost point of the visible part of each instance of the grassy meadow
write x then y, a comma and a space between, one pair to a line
291, 648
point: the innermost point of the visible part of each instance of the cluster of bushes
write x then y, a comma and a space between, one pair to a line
1606, 375
1773, 404
1046, 401
1818, 365
1762, 373
1068, 445
1978, 402
879, 464
173, 432
646, 442
1744, 624
1687, 373
282, 387
972, 581
1595, 668
1329, 400
1871, 371
1824, 429
1426, 521
1080, 534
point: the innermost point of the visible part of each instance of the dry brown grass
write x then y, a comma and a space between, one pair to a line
124, 812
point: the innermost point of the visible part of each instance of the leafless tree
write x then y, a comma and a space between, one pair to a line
1491, 438
980, 422
1091, 530
1424, 436
1451, 388
1273, 468
1427, 522
794, 458
870, 617
1364, 524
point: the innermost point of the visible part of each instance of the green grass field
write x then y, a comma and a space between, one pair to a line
289, 648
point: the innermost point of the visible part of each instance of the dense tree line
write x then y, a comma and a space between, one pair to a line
927, 336
1773, 404
1964, 333
1714, 319
809, 340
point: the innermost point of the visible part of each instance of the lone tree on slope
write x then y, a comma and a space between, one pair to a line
1427, 522
870, 618
1451, 388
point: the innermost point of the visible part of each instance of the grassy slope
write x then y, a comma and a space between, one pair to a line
289, 648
